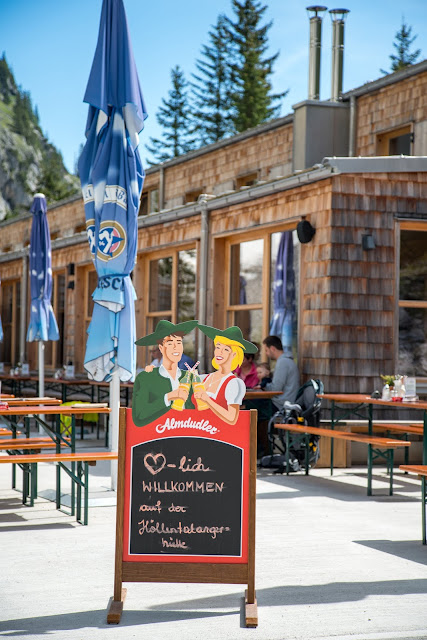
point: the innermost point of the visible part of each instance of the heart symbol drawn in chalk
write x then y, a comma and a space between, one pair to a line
156, 464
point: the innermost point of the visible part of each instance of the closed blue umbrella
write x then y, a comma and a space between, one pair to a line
284, 293
111, 176
43, 325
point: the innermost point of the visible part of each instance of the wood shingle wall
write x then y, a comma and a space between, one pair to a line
348, 305
388, 108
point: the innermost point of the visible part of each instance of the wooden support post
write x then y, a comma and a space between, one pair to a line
251, 607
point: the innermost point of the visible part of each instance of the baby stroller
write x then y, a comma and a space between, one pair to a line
305, 410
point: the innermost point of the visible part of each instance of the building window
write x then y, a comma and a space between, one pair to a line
54, 349
149, 202
247, 180
412, 356
193, 195
171, 292
11, 321
395, 143
251, 265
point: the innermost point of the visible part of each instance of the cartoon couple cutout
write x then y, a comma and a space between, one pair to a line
157, 388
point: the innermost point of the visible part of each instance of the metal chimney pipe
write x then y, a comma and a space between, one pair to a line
315, 50
338, 17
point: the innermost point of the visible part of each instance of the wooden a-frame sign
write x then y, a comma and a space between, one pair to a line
152, 480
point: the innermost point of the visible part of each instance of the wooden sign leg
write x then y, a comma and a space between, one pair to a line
251, 610
115, 608
251, 607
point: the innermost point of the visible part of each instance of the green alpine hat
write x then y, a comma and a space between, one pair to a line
166, 328
232, 333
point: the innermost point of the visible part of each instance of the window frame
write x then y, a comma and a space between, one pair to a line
265, 304
15, 323
52, 363
406, 225
383, 138
149, 317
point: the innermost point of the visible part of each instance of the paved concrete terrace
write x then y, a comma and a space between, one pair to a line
331, 563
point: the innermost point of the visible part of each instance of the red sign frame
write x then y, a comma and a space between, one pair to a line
176, 424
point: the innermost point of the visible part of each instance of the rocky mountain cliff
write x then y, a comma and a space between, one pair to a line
28, 162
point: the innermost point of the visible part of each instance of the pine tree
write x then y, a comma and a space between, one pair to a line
7, 81
253, 101
402, 44
175, 117
212, 87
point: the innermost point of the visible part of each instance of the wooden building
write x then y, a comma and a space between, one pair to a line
356, 169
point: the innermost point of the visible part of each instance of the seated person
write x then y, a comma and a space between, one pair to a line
156, 357
263, 373
285, 376
248, 371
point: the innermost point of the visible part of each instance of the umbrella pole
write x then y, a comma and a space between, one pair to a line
114, 423
41, 375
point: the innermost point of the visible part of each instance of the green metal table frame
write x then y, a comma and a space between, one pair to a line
388, 455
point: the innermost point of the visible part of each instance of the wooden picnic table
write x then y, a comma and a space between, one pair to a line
363, 403
58, 438
65, 386
26, 402
259, 394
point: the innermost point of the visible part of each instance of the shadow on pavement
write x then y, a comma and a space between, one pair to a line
412, 550
314, 485
97, 619
287, 595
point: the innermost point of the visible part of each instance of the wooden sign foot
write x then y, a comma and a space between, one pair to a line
115, 609
251, 612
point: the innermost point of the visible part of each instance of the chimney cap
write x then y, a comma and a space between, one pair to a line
338, 14
316, 8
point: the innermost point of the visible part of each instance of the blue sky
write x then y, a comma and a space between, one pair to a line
50, 45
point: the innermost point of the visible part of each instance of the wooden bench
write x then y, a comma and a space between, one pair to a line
80, 477
374, 443
404, 429
22, 444
6, 433
421, 471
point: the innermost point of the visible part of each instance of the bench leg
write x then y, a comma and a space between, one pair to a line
390, 457
79, 492
73, 448
307, 452
83, 477
288, 444
25, 482
423, 507
86, 507
33, 480
369, 469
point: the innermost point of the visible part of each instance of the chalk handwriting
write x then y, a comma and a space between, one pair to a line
174, 544
153, 526
156, 462
189, 486
196, 466
151, 507
177, 508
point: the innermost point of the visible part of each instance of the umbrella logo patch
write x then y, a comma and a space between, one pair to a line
90, 229
111, 240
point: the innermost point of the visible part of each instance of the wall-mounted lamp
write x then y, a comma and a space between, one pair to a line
70, 269
305, 231
368, 242
70, 285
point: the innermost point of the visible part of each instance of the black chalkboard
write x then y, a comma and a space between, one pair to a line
186, 498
